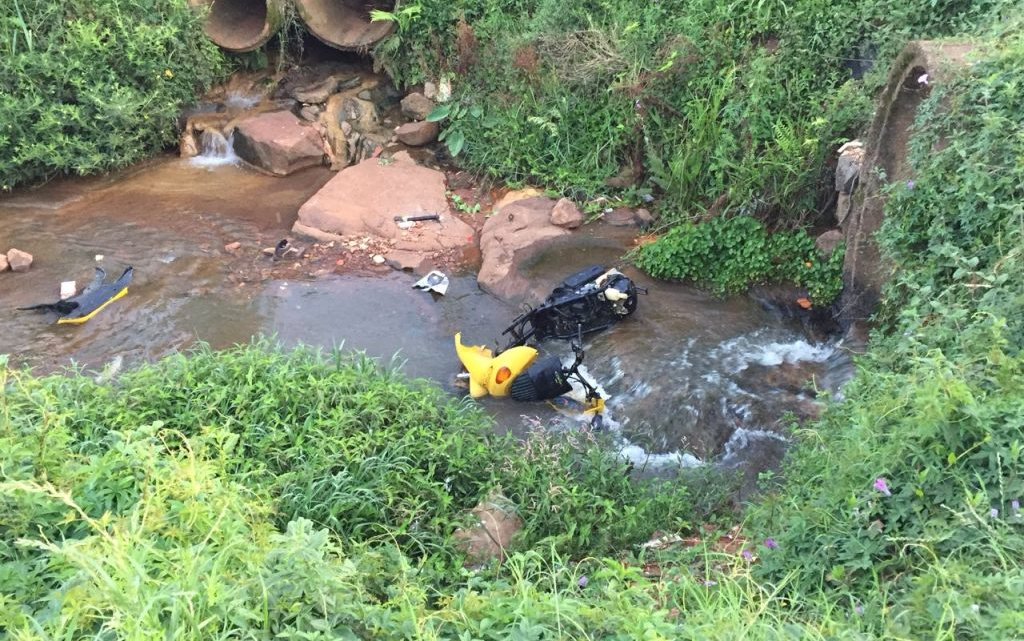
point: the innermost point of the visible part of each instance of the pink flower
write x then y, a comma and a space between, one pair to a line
882, 486
771, 544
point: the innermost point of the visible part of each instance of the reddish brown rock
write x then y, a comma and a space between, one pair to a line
366, 198
417, 134
566, 214
19, 261
518, 232
3, 263
278, 142
495, 527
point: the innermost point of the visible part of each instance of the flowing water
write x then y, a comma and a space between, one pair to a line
692, 379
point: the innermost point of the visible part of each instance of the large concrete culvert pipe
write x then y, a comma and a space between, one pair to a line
241, 25
346, 24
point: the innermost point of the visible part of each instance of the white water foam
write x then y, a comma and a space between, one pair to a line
238, 100
630, 451
215, 150
743, 438
737, 354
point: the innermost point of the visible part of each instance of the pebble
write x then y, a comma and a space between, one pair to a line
378, 259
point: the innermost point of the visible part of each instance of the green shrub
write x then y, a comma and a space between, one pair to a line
737, 99
730, 254
915, 480
90, 86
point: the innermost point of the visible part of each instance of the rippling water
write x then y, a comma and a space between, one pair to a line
691, 379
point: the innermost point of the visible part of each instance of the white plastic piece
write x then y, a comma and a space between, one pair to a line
68, 289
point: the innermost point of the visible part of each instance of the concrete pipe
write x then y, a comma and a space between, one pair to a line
241, 25
346, 24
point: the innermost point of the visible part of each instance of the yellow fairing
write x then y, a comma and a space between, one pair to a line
82, 319
490, 375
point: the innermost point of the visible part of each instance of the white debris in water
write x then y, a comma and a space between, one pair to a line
68, 289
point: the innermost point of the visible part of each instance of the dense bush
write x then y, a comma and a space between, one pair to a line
910, 490
736, 99
231, 447
729, 254
91, 86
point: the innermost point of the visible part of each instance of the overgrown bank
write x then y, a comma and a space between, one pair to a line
699, 101
87, 87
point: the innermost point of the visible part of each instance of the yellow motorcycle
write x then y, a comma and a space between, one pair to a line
519, 373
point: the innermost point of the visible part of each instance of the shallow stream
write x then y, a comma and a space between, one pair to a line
692, 379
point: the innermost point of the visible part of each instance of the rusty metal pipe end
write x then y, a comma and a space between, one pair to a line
346, 24
241, 25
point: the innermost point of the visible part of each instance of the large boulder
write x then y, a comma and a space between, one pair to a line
365, 199
278, 142
518, 232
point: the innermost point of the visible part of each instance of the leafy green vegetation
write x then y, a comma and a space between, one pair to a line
696, 99
90, 86
276, 476
728, 254
257, 494
914, 483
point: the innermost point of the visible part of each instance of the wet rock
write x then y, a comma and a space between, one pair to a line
232, 248
310, 113
843, 205
828, 241
18, 260
361, 113
317, 92
365, 94
519, 232
278, 142
417, 134
623, 217
851, 157
496, 526
365, 199
644, 218
566, 214
404, 260
4, 265
416, 106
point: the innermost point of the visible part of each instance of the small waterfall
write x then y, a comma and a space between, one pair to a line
214, 150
